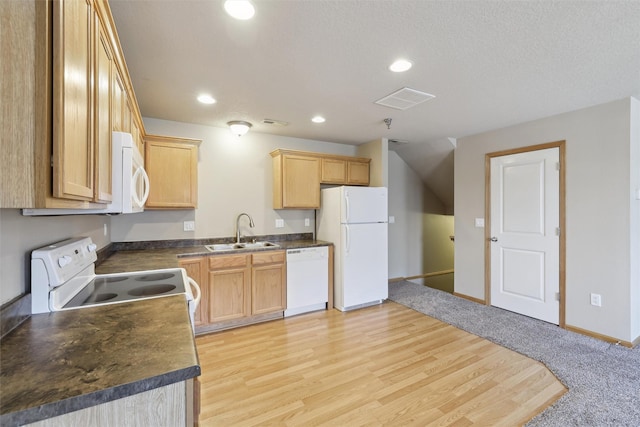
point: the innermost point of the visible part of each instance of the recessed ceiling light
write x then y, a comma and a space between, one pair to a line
318, 119
239, 9
206, 99
400, 65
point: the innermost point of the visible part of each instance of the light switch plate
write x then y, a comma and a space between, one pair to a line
392, 219
479, 222
279, 223
307, 222
189, 225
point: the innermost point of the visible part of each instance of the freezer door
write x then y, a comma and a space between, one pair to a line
364, 265
363, 205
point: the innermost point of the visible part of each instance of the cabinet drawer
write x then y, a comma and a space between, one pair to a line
268, 257
218, 262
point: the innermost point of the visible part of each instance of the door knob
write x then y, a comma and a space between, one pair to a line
494, 239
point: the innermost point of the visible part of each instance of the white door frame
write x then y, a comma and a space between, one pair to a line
487, 230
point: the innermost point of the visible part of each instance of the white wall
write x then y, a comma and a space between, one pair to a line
599, 223
234, 175
20, 235
634, 234
437, 247
377, 151
411, 242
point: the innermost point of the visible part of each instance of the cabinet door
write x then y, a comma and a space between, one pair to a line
268, 283
334, 171
118, 97
229, 294
268, 291
126, 114
72, 98
300, 182
173, 173
196, 269
358, 173
102, 111
136, 134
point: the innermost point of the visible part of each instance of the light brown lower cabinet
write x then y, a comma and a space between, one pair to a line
268, 282
171, 405
238, 289
196, 268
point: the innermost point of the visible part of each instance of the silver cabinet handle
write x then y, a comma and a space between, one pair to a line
494, 239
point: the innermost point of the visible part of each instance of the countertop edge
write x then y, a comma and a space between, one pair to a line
281, 246
72, 404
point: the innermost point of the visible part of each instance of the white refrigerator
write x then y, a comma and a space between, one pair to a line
354, 219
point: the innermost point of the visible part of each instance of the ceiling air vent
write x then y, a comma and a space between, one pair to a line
404, 98
274, 122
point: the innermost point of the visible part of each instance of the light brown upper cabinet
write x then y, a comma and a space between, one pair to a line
296, 180
358, 172
334, 171
67, 94
172, 166
73, 70
297, 176
103, 114
345, 171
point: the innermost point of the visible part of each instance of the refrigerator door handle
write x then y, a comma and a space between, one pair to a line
346, 204
347, 241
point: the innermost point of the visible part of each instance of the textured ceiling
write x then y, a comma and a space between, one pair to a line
490, 64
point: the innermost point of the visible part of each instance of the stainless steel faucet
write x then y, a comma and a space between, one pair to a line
238, 225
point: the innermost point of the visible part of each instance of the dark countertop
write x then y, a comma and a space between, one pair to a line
61, 362
153, 259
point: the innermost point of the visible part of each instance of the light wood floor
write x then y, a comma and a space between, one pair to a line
383, 365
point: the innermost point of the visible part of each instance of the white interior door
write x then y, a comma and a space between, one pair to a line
525, 260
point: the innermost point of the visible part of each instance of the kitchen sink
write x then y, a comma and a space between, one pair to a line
236, 246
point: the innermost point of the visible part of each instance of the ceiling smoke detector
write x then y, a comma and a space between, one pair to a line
404, 98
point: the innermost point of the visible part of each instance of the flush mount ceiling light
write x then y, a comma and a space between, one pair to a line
239, 127
206, 99
318, 119
239, 9
400, 66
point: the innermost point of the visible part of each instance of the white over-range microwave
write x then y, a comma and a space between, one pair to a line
130, 182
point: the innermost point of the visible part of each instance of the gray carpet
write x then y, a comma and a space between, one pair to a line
603, 379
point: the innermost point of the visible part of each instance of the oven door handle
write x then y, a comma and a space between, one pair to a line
195, 286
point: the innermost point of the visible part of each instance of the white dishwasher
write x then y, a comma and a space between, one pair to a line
307, 280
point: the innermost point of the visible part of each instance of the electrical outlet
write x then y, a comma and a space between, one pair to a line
307, 222
596, 299
392, 219
189, 225
279, 223
106, 229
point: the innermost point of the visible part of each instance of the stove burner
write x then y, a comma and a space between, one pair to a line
110, 279
155, 277
100, 298
146, 291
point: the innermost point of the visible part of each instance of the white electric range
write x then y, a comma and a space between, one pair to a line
63, 278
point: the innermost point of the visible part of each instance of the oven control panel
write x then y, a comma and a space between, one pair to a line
63, 260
